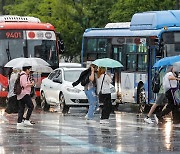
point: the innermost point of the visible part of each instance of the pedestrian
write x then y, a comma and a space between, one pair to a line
25, 98
90, 90
161, 98
103, 86
32, 94
170, 81
12, 103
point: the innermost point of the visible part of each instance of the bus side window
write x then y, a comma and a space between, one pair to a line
131, 62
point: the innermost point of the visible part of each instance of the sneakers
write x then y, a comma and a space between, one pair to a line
20, 125
90, 121
156, 119
27, 123
148, 120
86, 116
104, 121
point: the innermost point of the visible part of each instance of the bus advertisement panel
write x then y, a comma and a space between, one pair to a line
149, 37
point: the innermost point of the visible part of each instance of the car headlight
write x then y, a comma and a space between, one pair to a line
112, 89
73, 90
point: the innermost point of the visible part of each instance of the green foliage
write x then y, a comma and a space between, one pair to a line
72, 17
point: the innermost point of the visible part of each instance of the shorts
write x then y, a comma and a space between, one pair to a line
161, 99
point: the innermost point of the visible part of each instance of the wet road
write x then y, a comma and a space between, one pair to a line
71, 134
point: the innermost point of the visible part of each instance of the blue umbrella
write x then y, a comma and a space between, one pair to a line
167, 61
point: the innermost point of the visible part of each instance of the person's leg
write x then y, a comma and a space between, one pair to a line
168, 108
92, 99
175, 115
153, 107
107, 106
30, 106
161, 99
21, 110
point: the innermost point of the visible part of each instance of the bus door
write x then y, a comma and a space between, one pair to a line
151, 71
117, 55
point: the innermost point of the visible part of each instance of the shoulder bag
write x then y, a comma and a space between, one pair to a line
100, 93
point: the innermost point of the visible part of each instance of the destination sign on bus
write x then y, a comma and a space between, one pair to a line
42, 35
11, 34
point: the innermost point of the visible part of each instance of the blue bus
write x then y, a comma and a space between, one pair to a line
149, 37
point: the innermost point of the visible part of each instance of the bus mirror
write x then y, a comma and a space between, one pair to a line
61, 46
60, 43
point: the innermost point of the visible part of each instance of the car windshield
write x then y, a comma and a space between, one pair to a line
72, 75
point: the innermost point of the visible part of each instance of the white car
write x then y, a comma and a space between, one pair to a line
57, 89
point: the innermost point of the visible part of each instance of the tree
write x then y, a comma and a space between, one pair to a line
72, 17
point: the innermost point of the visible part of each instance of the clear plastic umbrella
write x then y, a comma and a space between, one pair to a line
37, 64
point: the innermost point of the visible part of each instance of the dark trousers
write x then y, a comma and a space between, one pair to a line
107, 106
26, 100
170, 106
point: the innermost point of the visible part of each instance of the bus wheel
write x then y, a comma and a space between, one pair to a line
63, 107
44, 104
142, 100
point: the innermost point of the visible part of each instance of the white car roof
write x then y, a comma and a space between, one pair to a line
69, 65
74, 68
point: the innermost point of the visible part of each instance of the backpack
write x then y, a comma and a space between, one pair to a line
156, 82
17, 85
85, 79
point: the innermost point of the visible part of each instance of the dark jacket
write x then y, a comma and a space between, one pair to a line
84, 73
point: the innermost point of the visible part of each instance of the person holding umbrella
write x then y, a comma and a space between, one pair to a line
24, 97
103, 89
88, 80
170, 82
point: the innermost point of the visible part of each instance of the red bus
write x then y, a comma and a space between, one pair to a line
23, 36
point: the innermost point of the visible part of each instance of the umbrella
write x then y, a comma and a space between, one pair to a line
167, 61
107, 62
36, 63
42, 69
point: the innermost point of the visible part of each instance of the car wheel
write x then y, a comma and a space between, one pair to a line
63, 107
44, 104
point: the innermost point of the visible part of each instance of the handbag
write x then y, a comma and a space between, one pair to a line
100, 93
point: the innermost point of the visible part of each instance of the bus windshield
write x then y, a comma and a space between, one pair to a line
18, 43
171, 41
45, 49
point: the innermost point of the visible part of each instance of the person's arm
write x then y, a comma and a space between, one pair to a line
172, 77
91, 77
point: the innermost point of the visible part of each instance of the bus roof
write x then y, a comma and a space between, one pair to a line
155, 19
15, 18
23, 22
150, 23
118, 25
93, 32
26, 25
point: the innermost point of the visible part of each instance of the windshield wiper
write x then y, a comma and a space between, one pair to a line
8, 53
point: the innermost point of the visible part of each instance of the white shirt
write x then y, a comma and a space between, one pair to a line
11, 84
167, 82
106, 84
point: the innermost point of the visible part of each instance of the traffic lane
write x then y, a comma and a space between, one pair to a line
55, 133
